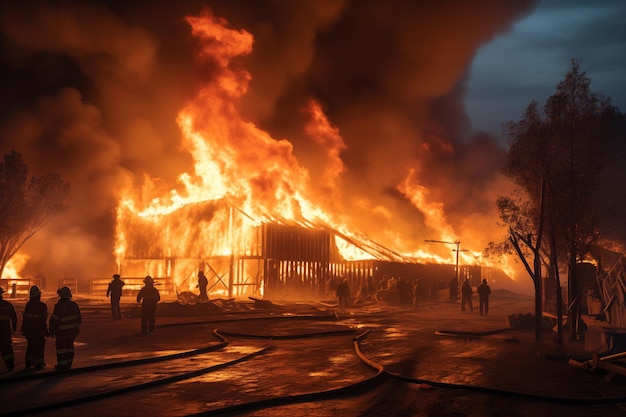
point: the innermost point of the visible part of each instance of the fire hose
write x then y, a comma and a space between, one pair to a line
163, 381
382, 374
354, 389
122, 364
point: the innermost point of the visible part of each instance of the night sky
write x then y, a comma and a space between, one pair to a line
91, 90
531, 59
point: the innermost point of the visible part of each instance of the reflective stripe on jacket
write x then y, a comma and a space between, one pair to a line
8, 317
65, 319
35, 319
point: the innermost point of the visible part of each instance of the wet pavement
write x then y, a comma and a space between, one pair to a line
300, 359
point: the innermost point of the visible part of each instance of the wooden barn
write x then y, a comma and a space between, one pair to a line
272, 259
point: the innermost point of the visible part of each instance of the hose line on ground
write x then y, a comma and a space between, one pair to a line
354, 389
132, 388
383, 374
122, 364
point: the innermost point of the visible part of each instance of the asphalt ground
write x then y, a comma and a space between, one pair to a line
278, 358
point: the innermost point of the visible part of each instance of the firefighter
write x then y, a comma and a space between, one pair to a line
202, 284
466, 295
64, 325
483, 297
115, 291
150, 297
8, 324
34, 329
343, 294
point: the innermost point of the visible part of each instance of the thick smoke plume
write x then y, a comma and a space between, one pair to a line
91, 90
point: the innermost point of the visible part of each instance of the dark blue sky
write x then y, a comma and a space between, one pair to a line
528, 62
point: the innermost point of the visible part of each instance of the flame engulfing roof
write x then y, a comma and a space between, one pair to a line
216, 228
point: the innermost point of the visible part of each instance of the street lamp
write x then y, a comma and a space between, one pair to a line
458, 244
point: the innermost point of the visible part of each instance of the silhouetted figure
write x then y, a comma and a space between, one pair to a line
64, 324
343, 293
483, 297
329, 285
454, 290
150, 297
466, 295
8, 324
366, 291
114, 290
415, 291
203, 282
35, 329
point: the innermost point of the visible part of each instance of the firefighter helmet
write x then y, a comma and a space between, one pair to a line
35, 291
64, 292
148, 280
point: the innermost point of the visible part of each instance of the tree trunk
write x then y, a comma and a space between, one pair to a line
538, 308
559, 309
557, 279
573, 299
537, 263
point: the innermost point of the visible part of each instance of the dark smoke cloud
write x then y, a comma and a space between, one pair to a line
91, 90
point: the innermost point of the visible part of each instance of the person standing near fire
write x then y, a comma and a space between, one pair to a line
453, 289
203, 282
416, 290
114, 290
8, 324
343, 293
64, 325
149, 297
35, 329
483, 297
466, 295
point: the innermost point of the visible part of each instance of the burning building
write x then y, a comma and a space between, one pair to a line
279, 259
249, 213
209, 151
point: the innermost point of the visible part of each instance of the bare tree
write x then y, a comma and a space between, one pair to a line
26, 204
525, 235
558, 153
579, 123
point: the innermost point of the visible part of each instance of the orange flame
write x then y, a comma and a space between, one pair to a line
15, 265
238, 166
234, 162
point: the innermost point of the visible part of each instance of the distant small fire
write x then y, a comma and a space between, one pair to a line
15, 264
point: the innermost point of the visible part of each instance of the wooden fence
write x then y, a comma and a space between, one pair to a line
18, 287
99, 285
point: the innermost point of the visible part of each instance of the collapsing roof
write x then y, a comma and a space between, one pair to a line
217, 228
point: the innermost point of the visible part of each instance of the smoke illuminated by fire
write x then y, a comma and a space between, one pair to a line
343, 115
236, 161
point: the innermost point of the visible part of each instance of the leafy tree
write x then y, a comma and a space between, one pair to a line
559, 152
26, 204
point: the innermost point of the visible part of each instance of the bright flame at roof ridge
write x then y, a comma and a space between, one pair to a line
435, 217
233, 158
240, 164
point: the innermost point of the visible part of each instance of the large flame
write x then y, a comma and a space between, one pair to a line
15, 264
238, 166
